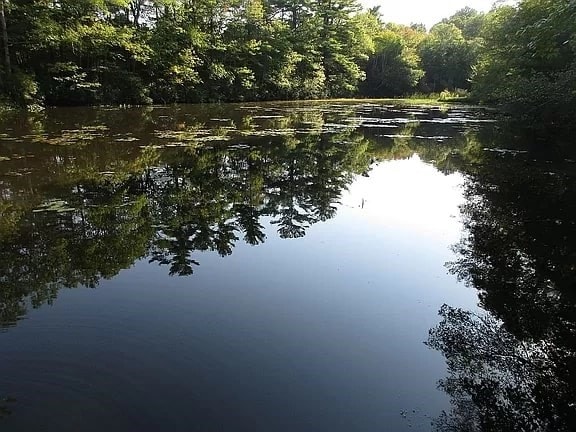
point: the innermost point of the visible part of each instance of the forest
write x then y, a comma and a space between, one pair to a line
136, 52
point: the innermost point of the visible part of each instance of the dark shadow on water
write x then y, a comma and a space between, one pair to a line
512, 366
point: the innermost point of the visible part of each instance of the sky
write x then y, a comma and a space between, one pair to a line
427, 12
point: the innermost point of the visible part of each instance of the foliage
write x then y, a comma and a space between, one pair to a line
394, 67
447, 58
529, 60
137, 52
469, 21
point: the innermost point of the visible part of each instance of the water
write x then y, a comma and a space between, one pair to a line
279, 267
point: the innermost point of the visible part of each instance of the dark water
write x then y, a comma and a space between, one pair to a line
281, 267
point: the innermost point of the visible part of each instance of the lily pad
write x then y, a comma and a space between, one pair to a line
55, 205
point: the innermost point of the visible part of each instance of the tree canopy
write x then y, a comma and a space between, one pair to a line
94, 52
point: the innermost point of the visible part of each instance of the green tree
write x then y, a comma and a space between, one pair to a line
338, 46
469, 21
394, 67
529, 59
447, 58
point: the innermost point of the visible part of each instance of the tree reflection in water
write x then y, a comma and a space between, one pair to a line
81, 203
513, 366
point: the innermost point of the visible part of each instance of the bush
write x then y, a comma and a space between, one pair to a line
69, 84
123, 87
19, 89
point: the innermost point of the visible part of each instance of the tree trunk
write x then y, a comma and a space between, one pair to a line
5, 37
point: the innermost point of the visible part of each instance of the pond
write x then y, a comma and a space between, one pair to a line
311, 266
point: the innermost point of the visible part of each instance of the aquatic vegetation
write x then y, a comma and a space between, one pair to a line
54, 205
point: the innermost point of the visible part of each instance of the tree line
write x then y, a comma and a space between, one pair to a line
90, 52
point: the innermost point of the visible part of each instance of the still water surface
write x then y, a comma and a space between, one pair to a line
281, 267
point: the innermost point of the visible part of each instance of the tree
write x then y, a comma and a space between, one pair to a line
5, 42
447, 58
469, 21
393, 69
529, 59
337, 43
